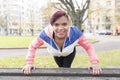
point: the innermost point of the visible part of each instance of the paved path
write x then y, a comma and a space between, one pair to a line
105, 43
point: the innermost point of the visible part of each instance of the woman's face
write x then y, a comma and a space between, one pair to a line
61, 27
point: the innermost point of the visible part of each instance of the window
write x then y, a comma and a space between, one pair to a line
108, 4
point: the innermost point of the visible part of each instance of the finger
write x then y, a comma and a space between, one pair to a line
34, 67
100, 71
96, 71
27, 70
22, 70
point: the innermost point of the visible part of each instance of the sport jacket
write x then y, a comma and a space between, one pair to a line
74, 37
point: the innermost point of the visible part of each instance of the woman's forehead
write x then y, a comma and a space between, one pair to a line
62, 19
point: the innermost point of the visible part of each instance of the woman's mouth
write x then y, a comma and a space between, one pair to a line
61, 33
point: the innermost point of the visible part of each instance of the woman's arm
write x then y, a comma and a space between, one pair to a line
32, 49
92, 55
89, 48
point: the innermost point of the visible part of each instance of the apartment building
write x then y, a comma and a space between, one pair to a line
117, 10
1, 17
14, 14
20, 17
103, 16
117, 5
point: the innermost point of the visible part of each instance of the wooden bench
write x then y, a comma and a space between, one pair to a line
59, 74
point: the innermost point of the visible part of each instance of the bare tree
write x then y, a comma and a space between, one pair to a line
3, 24
2, 21
117, 18
76, 11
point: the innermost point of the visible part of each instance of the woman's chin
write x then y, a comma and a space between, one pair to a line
61, 36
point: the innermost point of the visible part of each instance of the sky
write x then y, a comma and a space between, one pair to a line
40, 3
43, 2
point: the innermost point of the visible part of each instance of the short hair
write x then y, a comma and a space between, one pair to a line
57, 15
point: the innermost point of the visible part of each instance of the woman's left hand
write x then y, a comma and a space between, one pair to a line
96, 70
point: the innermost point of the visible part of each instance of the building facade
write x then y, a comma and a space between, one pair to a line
103, 14
20, 17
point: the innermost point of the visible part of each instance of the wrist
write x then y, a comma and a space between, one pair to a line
95, 62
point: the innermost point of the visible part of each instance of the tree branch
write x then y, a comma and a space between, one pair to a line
61, 7
64, 3
84, 19
77, 4
86, 5
71, 5
76, 13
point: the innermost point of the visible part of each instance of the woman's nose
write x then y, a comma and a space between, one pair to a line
61, 27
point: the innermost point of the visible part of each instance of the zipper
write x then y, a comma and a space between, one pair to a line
56, 45
62, 46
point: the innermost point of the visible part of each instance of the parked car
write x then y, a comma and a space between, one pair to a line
105, 32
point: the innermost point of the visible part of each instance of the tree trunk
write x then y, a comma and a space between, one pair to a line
76, 14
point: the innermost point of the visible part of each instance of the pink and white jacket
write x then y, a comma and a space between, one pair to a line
73, 38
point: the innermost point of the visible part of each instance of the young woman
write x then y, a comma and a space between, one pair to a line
61, 39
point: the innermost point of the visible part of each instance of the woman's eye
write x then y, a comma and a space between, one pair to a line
56, 24
64, 24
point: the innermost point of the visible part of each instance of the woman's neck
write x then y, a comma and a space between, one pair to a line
59, 42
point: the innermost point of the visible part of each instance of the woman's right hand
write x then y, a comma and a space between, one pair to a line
27, 69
